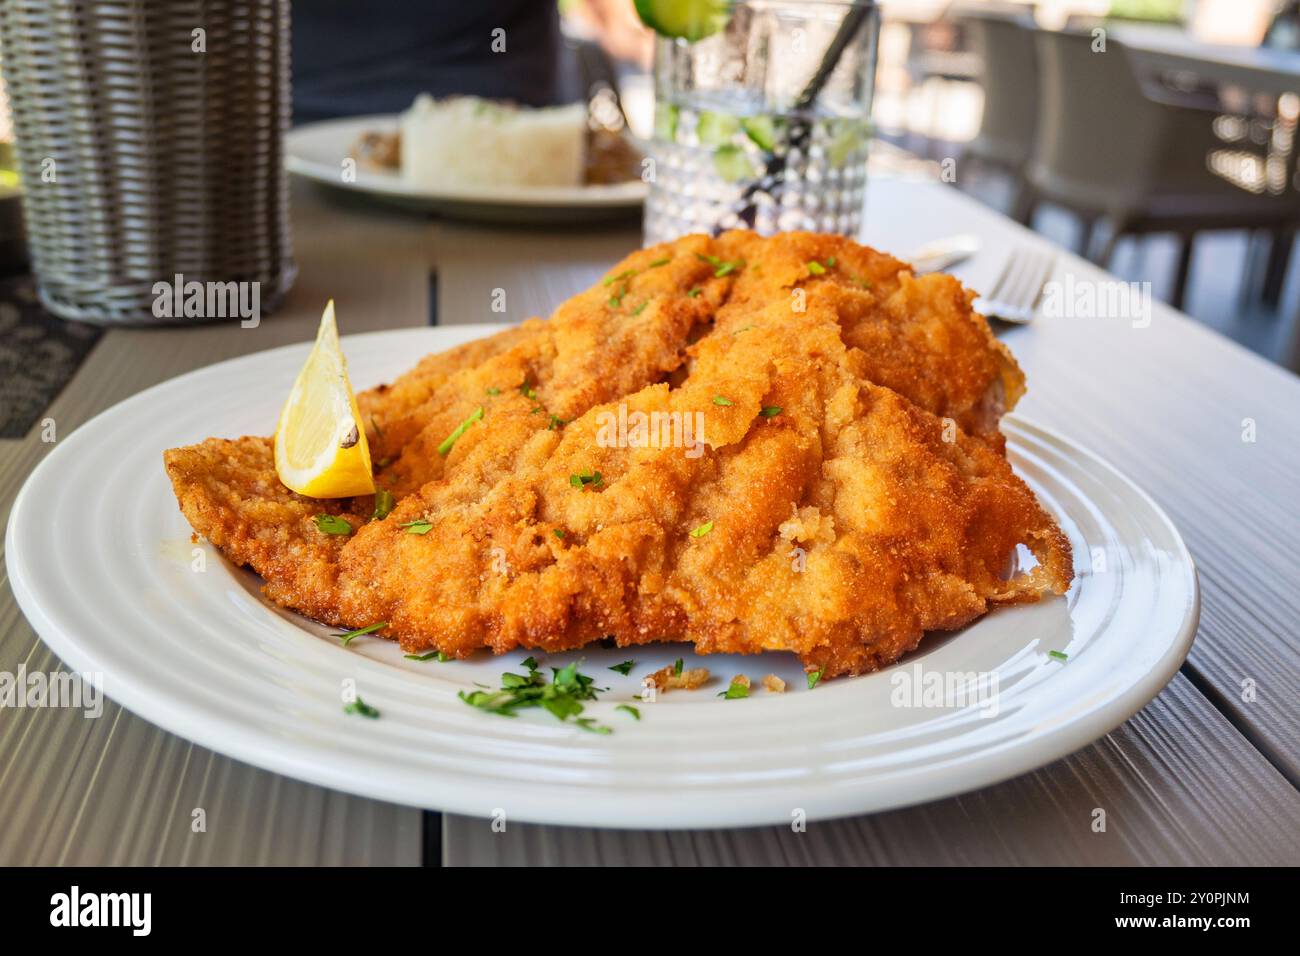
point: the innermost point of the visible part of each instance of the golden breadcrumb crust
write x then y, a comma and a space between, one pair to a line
835, 486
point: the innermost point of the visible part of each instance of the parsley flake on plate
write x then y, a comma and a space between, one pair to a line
737, 689
360, 707
347, 638
562, 696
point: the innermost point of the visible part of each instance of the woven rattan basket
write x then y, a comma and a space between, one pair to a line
149, 136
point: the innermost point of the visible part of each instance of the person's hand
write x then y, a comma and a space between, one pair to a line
616, 27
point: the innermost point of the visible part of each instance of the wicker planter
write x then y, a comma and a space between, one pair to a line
143, 158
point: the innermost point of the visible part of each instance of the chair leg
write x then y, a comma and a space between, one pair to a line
1279, 255
1024, 202
1087, 226
1184, 267
1108, 248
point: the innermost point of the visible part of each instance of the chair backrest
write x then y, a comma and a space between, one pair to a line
1009, 77
1098, 135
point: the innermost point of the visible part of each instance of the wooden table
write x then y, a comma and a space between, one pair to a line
1200, 776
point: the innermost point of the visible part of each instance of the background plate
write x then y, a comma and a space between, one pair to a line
317, 151
101, 562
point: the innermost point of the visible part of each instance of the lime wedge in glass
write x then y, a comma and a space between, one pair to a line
849, 135
688, 20
714, 129
761, 130
732, 164
666, 121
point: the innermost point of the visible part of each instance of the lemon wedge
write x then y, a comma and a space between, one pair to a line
320, 446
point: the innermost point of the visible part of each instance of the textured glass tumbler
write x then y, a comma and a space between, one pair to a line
765, 124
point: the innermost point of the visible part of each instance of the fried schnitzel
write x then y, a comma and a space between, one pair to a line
821, 474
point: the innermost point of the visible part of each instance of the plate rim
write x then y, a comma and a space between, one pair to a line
193, 722
628, 194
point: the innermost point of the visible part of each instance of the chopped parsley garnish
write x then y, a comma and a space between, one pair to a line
814, 677
830, 262
556, 422
640, 308
816, 268
621, 276
636, 714
359, 706
737, 689
625, 668
771, 411
562, 696
658, 262
379, 433
460, 430
1058, 656
347, 638
702, 530
720, 267
527, 390
494, 390
584, 478
677, 667
694, 292
332, 524
722, 400
438, 656
418, 526
384, 502
858, 280
614, 301
558, 532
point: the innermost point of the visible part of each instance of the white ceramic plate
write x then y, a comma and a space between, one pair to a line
317, 151
102, 564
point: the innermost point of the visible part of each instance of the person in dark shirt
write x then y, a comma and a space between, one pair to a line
352, 57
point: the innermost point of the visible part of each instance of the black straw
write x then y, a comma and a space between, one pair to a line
800, 128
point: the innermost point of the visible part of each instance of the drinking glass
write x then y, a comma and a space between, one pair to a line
764, 124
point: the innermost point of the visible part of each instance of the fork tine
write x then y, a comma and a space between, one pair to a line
1032, 277
1038, 279
1024, 279
996, 289
1008, 296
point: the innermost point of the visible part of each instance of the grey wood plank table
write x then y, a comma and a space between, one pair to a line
1199, 776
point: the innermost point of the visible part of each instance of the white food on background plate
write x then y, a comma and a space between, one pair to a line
471, 141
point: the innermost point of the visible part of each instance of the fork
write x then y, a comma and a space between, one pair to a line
1019, 287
